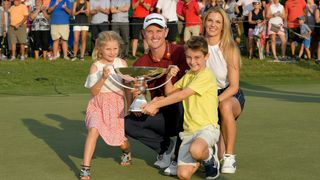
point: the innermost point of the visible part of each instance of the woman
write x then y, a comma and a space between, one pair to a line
276, 16
80, 10
40, 29
256, 20
224, 61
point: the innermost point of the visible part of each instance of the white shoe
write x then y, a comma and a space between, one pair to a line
163, 160
229, 164
171, 170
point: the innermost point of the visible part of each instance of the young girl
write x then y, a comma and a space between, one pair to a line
105, 111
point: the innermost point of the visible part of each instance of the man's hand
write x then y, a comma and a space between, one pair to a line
150, 109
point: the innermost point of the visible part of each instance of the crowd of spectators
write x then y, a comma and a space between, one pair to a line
52, 25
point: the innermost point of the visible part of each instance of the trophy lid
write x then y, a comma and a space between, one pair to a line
149, 73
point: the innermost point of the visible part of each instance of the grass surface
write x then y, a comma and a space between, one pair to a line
43, 133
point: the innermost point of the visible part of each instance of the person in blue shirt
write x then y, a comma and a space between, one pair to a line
60, 11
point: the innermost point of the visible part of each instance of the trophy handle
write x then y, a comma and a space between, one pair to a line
160, 85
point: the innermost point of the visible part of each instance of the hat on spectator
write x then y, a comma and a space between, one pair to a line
154, 18
256, 1
302, 18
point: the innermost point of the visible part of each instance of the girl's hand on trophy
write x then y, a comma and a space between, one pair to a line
106, 73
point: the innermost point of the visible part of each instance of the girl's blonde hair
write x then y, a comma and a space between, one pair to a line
101, 41
227, 43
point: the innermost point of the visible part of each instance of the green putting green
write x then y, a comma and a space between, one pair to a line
42, 137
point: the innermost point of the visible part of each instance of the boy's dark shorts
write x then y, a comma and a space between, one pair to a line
292, 36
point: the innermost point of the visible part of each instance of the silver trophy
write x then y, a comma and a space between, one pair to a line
140, 75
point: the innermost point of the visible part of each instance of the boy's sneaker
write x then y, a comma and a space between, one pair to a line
317, 61
229, 164
171, 170
66, 58
22, 58
212, 166
81, 58
163, 160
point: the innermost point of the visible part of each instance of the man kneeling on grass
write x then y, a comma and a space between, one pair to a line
197, 90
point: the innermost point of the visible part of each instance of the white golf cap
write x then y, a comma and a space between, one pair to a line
154, 18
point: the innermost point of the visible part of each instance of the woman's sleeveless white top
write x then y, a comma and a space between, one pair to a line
218, 66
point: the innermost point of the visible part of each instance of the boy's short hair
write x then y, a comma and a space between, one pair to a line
301, 18
197, 43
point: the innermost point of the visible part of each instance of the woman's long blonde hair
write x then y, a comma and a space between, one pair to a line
227, 43
103, 38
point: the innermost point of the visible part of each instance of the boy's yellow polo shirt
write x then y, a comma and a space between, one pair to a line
200, 109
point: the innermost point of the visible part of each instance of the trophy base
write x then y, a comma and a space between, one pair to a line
137, 103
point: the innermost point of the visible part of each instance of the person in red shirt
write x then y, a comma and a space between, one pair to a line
155, 131
141, 9
191, 14
181, 20
293, 10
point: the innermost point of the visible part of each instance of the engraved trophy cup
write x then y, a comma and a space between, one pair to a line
140, 75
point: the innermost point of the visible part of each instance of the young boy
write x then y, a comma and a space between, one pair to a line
197, 90
305, 32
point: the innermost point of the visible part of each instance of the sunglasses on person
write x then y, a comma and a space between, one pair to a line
255, 3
